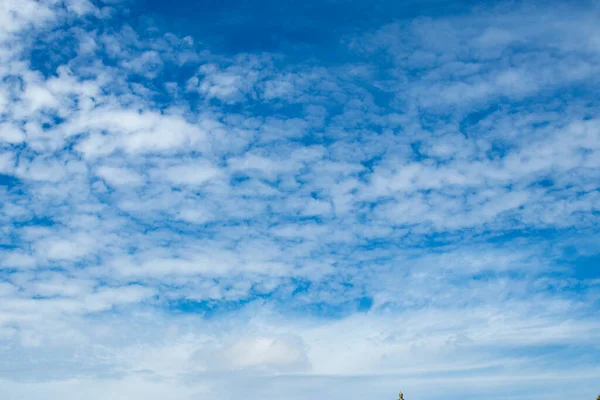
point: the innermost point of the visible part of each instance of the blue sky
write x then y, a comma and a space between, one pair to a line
333, 199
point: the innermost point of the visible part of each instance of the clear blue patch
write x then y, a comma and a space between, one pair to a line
36, 221
9, 181
587, 267
292, 27
364, 304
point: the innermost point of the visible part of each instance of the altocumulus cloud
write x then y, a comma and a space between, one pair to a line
418, 208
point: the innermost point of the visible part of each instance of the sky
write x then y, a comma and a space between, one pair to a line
333, 199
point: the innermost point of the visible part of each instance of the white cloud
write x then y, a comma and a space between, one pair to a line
119, 176
191, 173
414, 217
278, 353
11, 133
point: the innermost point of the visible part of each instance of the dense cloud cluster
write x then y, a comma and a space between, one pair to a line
174, 218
